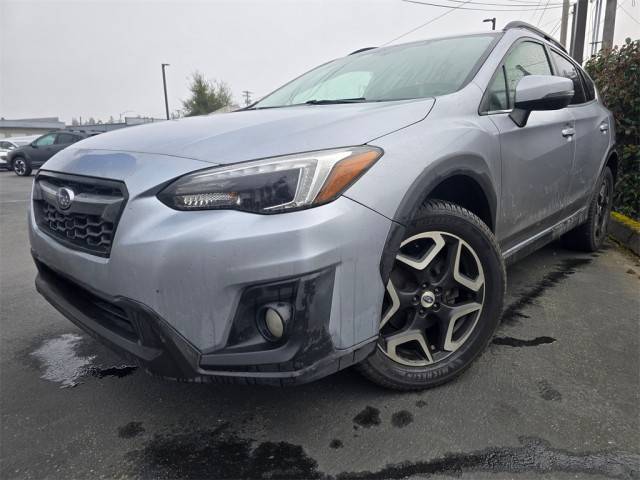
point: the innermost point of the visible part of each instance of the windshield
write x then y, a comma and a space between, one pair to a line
415, 70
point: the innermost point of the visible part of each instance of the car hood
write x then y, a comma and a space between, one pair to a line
251, 134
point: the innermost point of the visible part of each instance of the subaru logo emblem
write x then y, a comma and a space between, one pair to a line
64, 196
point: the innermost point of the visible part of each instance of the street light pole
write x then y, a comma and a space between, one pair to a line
493, 22
164, 83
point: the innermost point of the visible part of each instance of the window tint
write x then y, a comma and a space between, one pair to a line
566, 69
5, 145
65, 138
46, 140
527, 58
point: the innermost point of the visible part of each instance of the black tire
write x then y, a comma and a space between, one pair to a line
21, 166
590, 236
448, 218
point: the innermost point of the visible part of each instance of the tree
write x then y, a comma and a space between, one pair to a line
206, 96
74, 122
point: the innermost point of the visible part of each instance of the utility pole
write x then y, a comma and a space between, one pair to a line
579, 27
164, 84
564, 21
609, 23
493, 22
595, 28
247, 97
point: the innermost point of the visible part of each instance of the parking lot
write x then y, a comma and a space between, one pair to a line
556, 395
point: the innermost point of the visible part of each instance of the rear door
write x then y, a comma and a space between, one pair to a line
537, 158
592, 131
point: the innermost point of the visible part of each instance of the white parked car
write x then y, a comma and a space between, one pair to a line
11, 143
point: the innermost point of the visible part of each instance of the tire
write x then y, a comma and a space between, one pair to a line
590, 236
452, 245
21, 166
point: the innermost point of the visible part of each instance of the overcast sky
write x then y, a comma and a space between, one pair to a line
102, 58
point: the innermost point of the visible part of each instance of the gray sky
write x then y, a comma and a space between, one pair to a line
101, 58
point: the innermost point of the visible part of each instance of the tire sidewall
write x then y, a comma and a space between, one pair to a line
27, 166
606, 176
494, 273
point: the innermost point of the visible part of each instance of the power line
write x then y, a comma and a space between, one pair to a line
460, 7
544, 10
630, 16
451, 9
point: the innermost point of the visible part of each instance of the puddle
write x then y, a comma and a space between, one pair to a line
401, 419
534, 456
566, 268
218, 454
517, 342
130, 430
215, 454
336, 443
63, 363
60, 359
368, 417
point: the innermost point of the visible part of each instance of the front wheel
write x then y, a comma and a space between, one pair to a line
443, 301
21, 167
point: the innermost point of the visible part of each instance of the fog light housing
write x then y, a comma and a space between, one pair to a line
273, 320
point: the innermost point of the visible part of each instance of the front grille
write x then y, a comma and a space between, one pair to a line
89, 222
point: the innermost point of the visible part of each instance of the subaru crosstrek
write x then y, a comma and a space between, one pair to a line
361, 214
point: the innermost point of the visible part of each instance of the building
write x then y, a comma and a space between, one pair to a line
28, 126
107, 127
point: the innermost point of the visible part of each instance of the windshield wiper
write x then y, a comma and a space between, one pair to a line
339, 100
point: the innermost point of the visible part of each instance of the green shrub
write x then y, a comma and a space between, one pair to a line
617, 76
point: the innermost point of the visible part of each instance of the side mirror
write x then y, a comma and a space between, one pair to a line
33, 144
540, 92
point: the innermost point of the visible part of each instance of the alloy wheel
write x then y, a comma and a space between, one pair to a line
434, 299
19, 166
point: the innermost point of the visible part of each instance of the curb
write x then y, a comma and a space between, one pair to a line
626, 231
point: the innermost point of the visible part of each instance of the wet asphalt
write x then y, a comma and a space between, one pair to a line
556, 395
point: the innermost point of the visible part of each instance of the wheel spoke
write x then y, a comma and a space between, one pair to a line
449, 316
395, 304
430, 254
394, 341
462, 279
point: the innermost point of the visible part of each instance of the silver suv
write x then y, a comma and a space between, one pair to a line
361, 214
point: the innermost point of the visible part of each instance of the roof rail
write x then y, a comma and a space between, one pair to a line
527, 26
362, 50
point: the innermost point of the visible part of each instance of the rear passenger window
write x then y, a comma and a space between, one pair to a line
65, 138
566, 69
527, 58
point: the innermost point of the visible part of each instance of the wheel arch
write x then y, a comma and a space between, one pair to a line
445, 178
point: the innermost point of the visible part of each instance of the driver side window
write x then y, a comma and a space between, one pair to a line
527, 58
46, 140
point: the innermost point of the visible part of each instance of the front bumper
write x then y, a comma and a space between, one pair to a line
181, 279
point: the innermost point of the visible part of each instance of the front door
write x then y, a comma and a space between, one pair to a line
537, 158
41, 149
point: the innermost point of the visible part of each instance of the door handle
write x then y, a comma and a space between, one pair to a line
604, 127
568, 132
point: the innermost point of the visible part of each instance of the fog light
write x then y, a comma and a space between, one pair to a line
273, 323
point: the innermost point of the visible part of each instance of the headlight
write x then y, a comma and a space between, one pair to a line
272, 185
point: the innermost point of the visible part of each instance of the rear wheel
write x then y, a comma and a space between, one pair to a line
21, 167
443, 302
590, 236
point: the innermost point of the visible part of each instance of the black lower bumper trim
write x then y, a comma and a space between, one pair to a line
138, 334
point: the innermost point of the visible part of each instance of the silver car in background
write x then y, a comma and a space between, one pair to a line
361, 214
